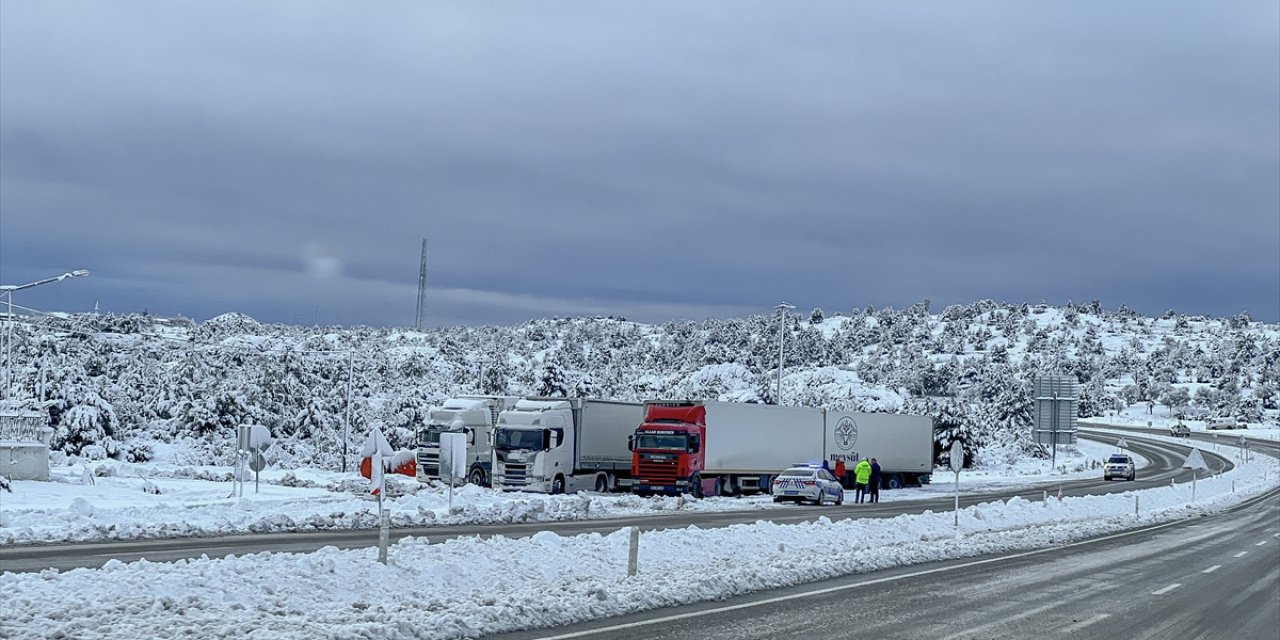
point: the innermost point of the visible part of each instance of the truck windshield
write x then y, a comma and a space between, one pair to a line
431, 435
674, 441
508, 439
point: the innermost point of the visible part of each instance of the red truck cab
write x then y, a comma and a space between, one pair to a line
667, 454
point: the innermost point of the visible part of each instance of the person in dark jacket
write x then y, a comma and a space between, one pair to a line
873, 486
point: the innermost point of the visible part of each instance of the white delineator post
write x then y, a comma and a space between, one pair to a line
957, 461
633, 555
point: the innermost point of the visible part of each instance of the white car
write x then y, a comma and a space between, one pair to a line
1215, 424
812, 484
1118, 465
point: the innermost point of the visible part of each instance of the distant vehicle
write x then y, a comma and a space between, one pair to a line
1180, 431
1118, 465
813, 484
1216, 424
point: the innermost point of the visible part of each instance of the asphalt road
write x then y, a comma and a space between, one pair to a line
1165, 464
1210, 577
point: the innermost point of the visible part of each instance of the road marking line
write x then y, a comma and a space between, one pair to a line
1212, 569
1167, 589
1260, 543
1241, 554
1084, 623
875, 581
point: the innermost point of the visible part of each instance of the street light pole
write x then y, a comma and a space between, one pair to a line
783, 308
8, 290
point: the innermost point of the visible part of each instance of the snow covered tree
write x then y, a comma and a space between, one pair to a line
552, 383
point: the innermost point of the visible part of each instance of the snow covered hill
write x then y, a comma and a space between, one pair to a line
134, 387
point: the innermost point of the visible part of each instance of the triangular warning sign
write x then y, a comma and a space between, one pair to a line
1195, 461
1122, 444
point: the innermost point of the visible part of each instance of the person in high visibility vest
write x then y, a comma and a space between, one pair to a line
861, 477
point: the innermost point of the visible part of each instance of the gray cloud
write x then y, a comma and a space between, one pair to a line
654, 161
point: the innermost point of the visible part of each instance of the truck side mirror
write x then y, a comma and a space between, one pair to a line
471, 436
695, 443
546, 439
631, 443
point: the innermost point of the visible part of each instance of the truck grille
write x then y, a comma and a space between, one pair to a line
429, 463
515, 474
658, 471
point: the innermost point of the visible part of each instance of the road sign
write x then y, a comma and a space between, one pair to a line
1242, 442
1122, 444
1195, 461
253, 436
1055, 410
957, 456
257, 461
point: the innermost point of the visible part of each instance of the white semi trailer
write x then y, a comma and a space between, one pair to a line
474, 416
563, 445
901, 444
709, 448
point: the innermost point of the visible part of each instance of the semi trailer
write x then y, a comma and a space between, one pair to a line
726, 448
720, 448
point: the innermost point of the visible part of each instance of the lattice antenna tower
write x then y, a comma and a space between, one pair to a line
422, 290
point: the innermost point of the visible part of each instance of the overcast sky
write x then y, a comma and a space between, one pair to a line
653, 160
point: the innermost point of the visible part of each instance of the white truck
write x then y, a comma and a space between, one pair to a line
474, 416
563, 445
901, 444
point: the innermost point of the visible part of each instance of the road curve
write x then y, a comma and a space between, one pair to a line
1165, 464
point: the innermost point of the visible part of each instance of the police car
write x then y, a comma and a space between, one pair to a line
1118, 466
807, 484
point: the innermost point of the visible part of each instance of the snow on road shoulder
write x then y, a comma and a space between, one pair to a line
471, 586
111, 501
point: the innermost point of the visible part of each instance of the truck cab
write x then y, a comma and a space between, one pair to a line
532, 447
667, 455
474, 416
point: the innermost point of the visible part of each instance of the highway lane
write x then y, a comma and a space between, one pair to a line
1210, 577
1165, 464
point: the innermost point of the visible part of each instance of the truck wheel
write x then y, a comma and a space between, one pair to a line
895, 481
696, 481
557, 485
726, 486
477, 478
602, 484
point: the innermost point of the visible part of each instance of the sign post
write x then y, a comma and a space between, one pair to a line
957, 462
378, 450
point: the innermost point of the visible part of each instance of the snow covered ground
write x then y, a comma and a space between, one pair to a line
468, 587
